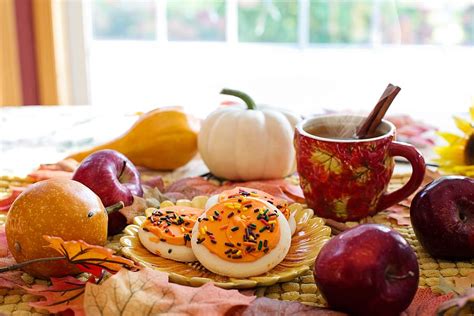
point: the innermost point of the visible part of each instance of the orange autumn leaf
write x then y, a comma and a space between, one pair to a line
89, 258
148, 292
63, 294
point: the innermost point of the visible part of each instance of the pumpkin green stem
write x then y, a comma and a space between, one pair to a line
241, 95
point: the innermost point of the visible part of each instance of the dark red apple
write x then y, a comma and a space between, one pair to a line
114, 179
442, 216
367, 270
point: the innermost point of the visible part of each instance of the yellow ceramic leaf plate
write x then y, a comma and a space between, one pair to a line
310, 236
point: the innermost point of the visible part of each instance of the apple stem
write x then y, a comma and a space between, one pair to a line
123, 169
22, 264
114, 207
409, 274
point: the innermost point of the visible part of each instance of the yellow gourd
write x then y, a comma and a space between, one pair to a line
161, 139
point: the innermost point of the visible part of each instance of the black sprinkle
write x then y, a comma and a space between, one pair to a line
162, 239
235, 228
265, 243
205, 219
199, 241
90, 214
237, 257
228, 251
230, 215
239, 244
266, 250
170, 250
229, 244
146, 229
256, 210
248, 206
213, 241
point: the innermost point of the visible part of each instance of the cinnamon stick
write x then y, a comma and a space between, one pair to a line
369, 126
336, 227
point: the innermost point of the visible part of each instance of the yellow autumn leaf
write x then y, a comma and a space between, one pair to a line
329, 162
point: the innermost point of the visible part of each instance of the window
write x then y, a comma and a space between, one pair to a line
303, 54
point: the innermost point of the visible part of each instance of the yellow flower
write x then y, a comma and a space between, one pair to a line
457, 157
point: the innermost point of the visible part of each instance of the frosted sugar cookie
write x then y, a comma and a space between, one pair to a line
167, 232
241, 237
280, 204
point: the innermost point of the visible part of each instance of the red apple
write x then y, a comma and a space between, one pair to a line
114, 179
367, 270
442, 216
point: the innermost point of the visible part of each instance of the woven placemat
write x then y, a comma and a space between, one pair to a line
303, 288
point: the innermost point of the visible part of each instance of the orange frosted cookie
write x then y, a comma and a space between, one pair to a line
167, 232
280, 204
241, 237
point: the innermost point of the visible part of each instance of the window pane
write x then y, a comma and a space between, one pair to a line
429, 23
193, 20
268, 21
120, 19
340, 21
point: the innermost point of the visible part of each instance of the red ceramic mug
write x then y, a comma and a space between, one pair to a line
347, 179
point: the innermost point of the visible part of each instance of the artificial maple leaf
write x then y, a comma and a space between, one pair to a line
267, 306
8, 201
89, 258
461, 305
148, 292
63, 294
425, 303
329, 162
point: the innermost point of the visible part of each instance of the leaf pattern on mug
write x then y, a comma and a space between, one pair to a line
340, 207
388, 162
305, 185
361, 174
328, 161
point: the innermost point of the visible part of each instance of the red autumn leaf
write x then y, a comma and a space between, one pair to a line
425, 303
8, 279
8, 201
154, 182
267, 306
148, 292
89, 258
63, 294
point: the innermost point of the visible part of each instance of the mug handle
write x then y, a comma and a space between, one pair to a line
418, 173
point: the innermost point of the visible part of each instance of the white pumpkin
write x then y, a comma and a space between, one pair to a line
248, 143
